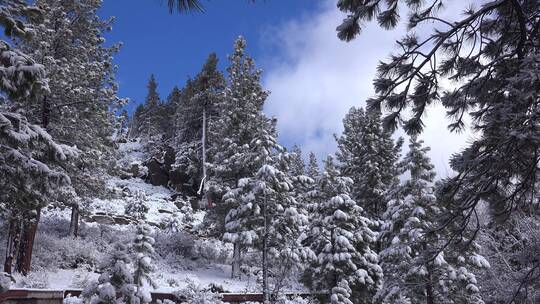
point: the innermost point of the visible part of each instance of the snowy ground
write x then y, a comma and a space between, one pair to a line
167, 281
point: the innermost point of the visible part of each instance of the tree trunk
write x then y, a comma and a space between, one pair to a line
430, 298
12, 246
74, 223
203, 142
24, 259
45, 111
235, 273
266, 298
202, 190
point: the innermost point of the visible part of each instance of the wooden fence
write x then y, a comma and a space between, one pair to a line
39, 296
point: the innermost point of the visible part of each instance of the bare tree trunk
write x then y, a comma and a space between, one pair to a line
235, 273
74, 223
24, 259
203, 142
202, 189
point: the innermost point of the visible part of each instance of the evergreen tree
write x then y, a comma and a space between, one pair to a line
136, 121
340, 237
30, 179
415, 270
76, 110
123, 278
123, 126
495, 84
298, 167
313, 166
201, 95
368, 155
147, 120
240, 109
166, 122
137, 206
144, 250
267, 215
28, 174
197, 110
115, 284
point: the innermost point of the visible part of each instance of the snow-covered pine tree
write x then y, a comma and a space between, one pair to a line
28, 175
232, 132
115, 285
143, 247
147, 125
136, 121
203, 94
136, 206
288, 256
69, 43
30, 181
312, 169
340, 237
246, 223
415, 270
167, 116
125, 279
298, 167
122, 126
195, 112
495, 83
266, 215
368, 155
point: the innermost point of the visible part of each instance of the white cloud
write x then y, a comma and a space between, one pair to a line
315, 78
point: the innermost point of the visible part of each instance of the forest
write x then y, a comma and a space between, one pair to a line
193, 194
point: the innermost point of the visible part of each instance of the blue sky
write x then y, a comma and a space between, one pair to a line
175, 46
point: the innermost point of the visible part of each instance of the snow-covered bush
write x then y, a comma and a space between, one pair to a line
296, 300
5, 282
53, 252
173, 223
137, 206
172, 282
195, 294
81, 279
211, 250
184, 251
166, 301
35, 279
73, 300
178, 244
